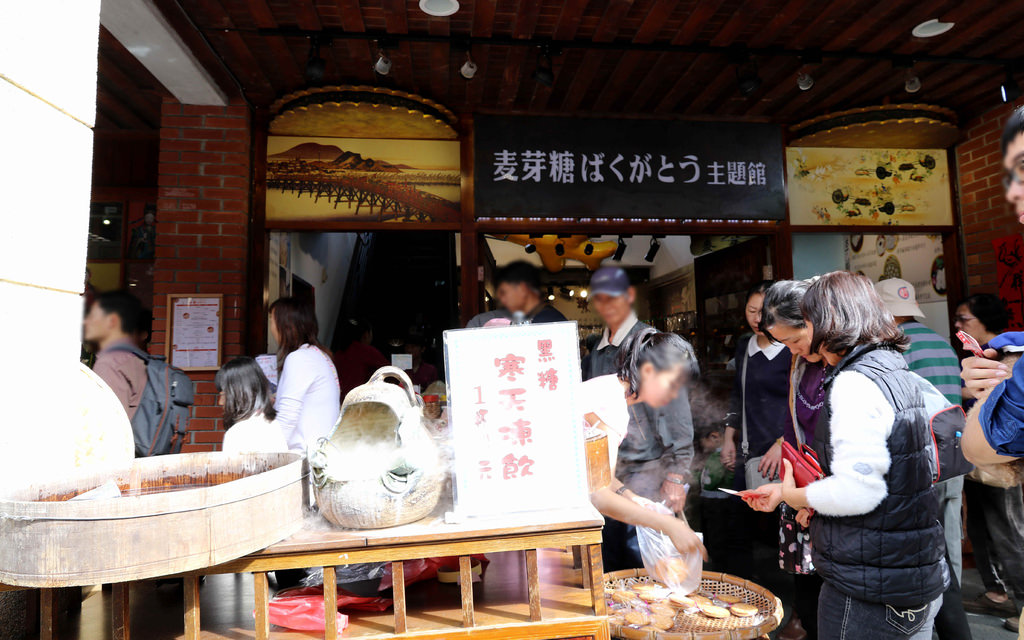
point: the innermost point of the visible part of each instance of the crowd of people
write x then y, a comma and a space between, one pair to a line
836, 363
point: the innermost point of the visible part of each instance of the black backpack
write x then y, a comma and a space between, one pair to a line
947, 423
161, 421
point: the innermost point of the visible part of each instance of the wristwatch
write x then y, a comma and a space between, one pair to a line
622, 490
674, 480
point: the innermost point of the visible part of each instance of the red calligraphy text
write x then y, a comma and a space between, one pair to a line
514, 401
485, 469
520, 432
544, 351
513, 467
548, 379
481, 417
510, 366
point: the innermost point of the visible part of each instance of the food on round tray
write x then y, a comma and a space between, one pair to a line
701, 601
622, 597
650, 596
729, 599
663, 623
618, 619
713, 611
743, 610
681, 601
672, 570
637, 618
642, 587
662, 609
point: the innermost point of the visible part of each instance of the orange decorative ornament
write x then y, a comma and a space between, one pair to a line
572, 248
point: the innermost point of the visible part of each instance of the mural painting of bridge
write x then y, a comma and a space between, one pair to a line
361, 180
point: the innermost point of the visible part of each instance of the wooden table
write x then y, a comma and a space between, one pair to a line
320, 545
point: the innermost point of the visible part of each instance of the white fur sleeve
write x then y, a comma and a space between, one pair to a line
862, 420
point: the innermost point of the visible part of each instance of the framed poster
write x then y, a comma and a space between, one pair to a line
194, 330
833, 186
517, 430
918, 259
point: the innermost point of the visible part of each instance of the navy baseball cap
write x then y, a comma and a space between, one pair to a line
611, 281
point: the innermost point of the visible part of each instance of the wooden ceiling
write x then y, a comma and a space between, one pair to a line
128, 97
589, 80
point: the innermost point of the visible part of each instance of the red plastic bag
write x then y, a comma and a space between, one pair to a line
302, 609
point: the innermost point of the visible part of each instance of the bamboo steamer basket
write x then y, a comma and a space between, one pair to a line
177, 513
696, 626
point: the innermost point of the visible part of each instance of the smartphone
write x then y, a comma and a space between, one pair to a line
970, 344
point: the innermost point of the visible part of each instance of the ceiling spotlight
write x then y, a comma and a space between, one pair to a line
620, 250
588, 249
531, 248
572, 292
559, 249
747, 78
583, 293
383, 64
1009, 91
468, 69
439, 8
551, 293
315, 65
544, 73
653, 251
804, 81
912, 84
551, 297
931, 28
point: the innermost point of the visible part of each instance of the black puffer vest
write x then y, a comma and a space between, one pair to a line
895, 554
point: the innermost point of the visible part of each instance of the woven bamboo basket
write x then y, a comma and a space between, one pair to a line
694, 626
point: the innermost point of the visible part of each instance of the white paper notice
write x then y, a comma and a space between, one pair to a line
517, 433
195, 341
268, 364
401, 360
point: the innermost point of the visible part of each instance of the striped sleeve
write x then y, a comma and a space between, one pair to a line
932, 358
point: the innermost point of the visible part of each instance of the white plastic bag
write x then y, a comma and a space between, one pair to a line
663, 561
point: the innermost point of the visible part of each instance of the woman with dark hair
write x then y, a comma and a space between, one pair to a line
877, 540
356, 359
782, 319
651, 368
248, 409
996, 525
308, 397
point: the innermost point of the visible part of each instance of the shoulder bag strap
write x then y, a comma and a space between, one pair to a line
794, 380
743, 402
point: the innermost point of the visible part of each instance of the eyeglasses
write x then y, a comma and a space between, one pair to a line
964, 319
1015, 175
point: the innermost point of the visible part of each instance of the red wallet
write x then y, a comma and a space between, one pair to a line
806, 468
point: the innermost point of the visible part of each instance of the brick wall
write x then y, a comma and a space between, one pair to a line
985, 214
202, 233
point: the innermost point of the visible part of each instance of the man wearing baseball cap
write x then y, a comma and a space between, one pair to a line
655, 457
931, 357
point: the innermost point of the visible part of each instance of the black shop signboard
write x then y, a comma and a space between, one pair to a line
604, 168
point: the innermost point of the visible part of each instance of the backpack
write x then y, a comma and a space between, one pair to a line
161, 421
946, 422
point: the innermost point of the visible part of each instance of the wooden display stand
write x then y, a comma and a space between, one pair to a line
567, 611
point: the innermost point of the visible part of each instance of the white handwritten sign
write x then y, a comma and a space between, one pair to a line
195, 331
516, 426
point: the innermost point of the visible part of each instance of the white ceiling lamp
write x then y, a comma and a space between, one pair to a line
468, 69
804, 81
383, 64
439, 8
913, 83
931, 28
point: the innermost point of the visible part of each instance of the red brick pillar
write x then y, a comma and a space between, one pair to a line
203, 233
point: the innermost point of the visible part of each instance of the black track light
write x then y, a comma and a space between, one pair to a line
1009, 91
559, 249
530, 248
653, 251
544, 73
315, 65
620, 250
588, 249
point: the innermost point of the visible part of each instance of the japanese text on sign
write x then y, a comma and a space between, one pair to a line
518, 446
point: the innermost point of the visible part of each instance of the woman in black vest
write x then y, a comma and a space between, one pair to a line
878, 542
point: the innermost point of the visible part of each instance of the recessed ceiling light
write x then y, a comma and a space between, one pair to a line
439, 8
929, 28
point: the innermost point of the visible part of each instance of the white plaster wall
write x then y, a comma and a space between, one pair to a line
48, 52
323, 260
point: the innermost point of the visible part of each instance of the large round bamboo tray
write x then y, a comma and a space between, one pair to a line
697, 626
176, 513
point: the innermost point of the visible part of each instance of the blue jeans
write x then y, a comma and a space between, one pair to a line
841, 617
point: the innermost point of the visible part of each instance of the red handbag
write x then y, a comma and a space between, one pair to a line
806, 468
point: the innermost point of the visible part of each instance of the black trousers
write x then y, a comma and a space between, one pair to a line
806, 588
995, 525
951, 622
619, 547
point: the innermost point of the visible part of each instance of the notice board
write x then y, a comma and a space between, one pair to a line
194, 331
517, 430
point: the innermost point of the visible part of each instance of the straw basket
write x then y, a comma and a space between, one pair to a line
693, 626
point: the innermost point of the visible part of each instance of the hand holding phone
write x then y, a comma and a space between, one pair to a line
970, 343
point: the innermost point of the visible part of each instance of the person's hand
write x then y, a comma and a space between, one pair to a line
791, 494
765, 498
769, 467
981, 375
673, 494
803, 517
728, 455
684, 539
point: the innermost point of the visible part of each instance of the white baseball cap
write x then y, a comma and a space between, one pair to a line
899, 297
